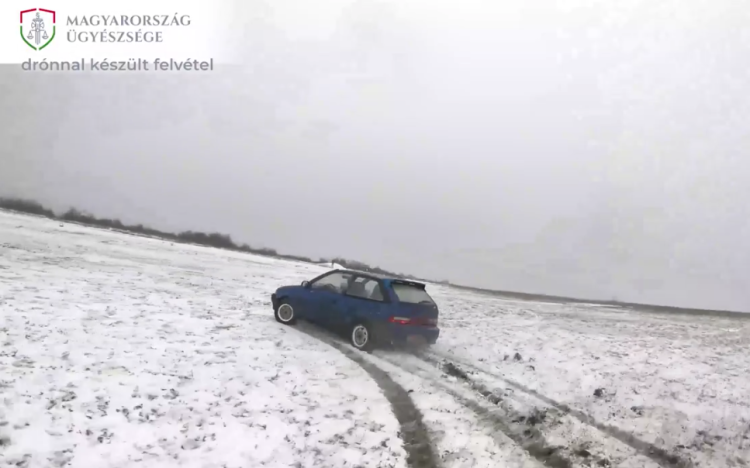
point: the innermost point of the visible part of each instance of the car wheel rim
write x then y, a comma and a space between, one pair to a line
360, 336
286, 313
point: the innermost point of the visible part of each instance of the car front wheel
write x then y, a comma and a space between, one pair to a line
284, 313
361, 337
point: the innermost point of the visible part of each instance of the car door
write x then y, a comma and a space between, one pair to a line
324, 296
362, 300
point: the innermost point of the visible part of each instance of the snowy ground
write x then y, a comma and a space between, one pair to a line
118, 350
679, 382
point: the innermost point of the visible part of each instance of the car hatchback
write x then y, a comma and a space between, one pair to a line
370, 309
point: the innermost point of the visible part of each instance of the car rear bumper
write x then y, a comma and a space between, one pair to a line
273, 301
409, 333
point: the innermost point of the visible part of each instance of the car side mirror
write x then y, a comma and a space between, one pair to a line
305, 284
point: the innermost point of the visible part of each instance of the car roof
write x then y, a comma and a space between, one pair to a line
387, 278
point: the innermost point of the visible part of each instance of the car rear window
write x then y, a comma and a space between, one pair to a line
411, 294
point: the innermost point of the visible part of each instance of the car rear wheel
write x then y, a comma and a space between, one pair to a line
361, 337
284, 313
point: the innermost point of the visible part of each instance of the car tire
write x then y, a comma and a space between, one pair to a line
361, 337
285, 314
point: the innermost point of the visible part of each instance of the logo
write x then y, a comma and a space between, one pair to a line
37, 27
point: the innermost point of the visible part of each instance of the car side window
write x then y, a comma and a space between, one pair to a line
365, 288
335, 282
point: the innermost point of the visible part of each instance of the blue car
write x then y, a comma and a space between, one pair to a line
371, 309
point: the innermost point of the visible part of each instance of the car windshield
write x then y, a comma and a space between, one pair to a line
411, 294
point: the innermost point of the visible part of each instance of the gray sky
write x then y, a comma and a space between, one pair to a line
587, 148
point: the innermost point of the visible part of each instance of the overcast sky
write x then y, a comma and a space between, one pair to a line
585, 148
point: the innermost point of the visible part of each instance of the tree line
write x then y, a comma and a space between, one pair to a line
211, 239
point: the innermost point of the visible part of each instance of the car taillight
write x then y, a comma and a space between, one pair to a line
426, 322
400, 320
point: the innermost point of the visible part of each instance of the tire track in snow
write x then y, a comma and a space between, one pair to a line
419, 450
530, 439
655, 453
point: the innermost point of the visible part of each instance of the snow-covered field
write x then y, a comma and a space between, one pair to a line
118, 350
678, 381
